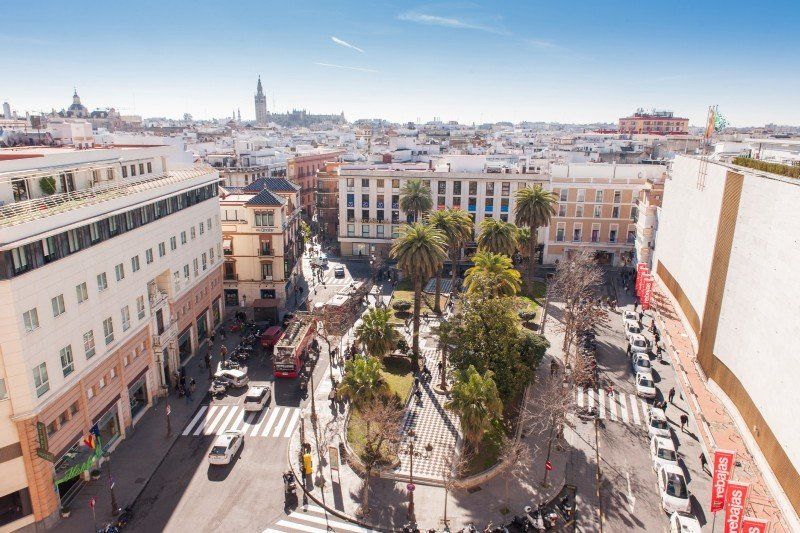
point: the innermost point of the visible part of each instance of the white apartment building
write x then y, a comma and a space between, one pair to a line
110, 278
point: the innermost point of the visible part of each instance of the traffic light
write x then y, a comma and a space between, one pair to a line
307, 463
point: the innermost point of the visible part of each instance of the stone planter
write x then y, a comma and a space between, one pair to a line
65, 512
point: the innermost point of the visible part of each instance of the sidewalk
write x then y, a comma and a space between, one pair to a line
138, 456
719, 429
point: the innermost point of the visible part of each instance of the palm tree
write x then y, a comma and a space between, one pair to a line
476, 402
376, 333
415, 198
498, 236
419, 251
492, 274
523, 240
362, 380
535, 206
456, 225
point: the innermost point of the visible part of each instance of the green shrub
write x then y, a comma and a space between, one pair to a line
48, 185
401, 305
775, 168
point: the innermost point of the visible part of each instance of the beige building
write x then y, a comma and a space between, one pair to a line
655, 122
110, 279
597, 209
262, 246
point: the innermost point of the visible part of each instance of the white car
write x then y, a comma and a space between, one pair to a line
657, 425
638, 344
672, 489
641, 364
680, 522
662, 451
629, 315
257, 398
631, 328
235, 378
645, 388
225, 447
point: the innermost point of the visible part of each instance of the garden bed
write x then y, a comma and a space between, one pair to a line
404, 291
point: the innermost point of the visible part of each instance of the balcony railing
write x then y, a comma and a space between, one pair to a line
157, 298
231, 277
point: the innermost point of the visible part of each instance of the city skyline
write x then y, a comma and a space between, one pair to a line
458, 61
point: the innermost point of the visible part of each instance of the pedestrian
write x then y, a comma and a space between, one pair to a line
192, 386
671, 394
664, 406
222, 334
553, 368
211, 338
224, 352
684, 421
208, 359
439, 366
704, 463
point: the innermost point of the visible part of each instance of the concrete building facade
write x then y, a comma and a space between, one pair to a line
302, 171
656, 122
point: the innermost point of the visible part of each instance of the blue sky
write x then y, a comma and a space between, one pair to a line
469, 61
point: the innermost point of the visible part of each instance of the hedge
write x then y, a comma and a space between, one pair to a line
775, 168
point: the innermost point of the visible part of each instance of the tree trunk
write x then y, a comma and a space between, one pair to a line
456, 263
417, 308
532, 260
365, 504
436, 307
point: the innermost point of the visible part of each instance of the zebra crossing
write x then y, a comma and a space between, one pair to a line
617, 407
314, 519
216, 419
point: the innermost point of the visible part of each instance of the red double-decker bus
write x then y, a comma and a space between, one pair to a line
288, 358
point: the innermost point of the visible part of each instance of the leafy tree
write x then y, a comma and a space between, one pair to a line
420, 252
497, 236
476, 401
523, 241
305, 232
535, 207
376, 333
362, 381
492, 275
415, 198
456, 225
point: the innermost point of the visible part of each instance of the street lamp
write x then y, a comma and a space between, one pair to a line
114, 507
410, 486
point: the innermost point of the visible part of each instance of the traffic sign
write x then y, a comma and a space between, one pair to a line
410, 487
91, 502
548, 465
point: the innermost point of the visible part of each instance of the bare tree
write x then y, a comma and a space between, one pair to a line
455, 464
381, 420
516, 456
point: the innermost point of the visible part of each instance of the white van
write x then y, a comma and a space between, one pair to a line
257, 398
234, 378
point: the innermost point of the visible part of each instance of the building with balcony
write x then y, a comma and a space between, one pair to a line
327, 203
261, 246
110, 278
597, 209
654, 123
302, 171
648, 207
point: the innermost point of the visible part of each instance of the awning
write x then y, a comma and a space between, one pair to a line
76, 462
265, 302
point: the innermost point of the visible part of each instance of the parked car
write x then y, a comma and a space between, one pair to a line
645, 388
338, 271
233, 377
225, 447
270, 336
641, 364
257, 397
629, 315
680, 522
638, 344
672, 489
657, 425
662, 451
632, 328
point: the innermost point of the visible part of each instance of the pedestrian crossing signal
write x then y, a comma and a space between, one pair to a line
307, 463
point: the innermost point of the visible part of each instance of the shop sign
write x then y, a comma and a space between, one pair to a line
754, 525
735, 500
44, 454
723, 468
41, 433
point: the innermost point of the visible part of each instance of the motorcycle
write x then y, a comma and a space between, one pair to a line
125, 516
218, 388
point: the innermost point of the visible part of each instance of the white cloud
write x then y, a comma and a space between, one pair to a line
359, 69
449, 22
539, 44
346, 44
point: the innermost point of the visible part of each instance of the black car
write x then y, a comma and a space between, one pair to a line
338, 271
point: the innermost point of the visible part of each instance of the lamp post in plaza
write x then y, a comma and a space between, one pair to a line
410, 485
114, 507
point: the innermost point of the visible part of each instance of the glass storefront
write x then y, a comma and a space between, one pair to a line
202, 326
109, 428
137, 394
215, 315
185, 344
231, 297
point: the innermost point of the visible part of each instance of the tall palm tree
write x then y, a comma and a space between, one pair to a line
362, 380
535, 207
492, 274
415, 198
456, 225
497, 236
420, 253
376, 333
523, 240
476, 401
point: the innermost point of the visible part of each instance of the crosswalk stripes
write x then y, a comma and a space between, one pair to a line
278, 421
314, 519
618, 407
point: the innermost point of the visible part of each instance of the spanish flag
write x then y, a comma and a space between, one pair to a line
712, 120
89, 440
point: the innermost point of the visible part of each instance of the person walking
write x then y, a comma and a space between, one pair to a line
704, 463
553, 368
224, 352
207, 358
671, 394
211, 338
684, 421
664, 405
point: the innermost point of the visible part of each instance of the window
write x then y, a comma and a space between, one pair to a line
73, 241
3, 390
192, 233
381, 230
204, 258
473, 188
125, 312
505, 188
489, 205
631, 236
73, 409
380, 183
135, 263
124, 171
141, 168
119, 272
108, 330
40, 379
364, 230
101, 383
31, 319
133, 170
560, 233
364, 183
265, 218
395, 184
148, 256
211, 255
82, 292
617, 197
562, 195
183, 237
49, 248
145, 214
196, 266
456, 187
350, 182
102, 282
90, 390
489, 188
612, 236
88, 344
442, 187
615, 212
129, 220
595, 234
598, 211
562, 210
581, 195
51, 428
94, 232
456, 201
162, 248
186, 271
149, 167
58, 305
202, 228
578, 211
395, 232
577, 234
266, 271
173, 243
365, 214
351, 230
20, 260
634, 212
365, 200
67, 364
208, 224
598, 196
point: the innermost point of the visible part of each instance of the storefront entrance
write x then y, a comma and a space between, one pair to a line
185, 344
109, 428
137, 393
202, 326
231, 297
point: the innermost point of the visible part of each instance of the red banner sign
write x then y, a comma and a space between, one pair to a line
723, 469
735, 500
754, 525
647, 292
